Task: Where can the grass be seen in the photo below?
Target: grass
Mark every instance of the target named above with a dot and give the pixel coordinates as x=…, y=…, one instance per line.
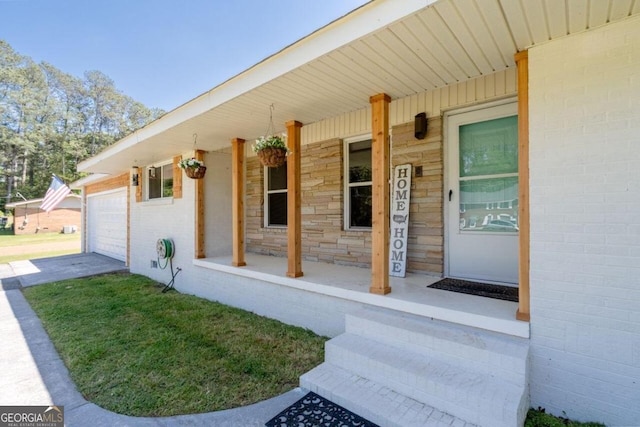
x=8, y=239
x=538, y=418
x=42, y=245
x=134, y=350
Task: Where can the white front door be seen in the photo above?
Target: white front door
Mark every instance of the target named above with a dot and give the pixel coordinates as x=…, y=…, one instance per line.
x=482, y=194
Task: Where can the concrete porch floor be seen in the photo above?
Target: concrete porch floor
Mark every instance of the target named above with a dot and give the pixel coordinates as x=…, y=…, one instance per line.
x=409, y=294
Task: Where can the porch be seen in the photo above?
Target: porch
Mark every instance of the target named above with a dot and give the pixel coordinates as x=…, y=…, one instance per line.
x=351, y=284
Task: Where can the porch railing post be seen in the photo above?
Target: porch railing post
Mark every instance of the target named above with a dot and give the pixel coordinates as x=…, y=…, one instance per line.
x=380, y=193
x=237, y=203
x=294, y=203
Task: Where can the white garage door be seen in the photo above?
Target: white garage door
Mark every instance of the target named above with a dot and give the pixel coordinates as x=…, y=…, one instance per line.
x=107, y=223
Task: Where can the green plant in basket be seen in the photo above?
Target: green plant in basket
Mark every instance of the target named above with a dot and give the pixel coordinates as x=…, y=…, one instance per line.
x=270, y=141
x=271, y=150
x=191, y=163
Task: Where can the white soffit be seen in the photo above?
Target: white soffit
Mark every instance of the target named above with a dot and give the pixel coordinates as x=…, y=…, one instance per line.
x=396, y=47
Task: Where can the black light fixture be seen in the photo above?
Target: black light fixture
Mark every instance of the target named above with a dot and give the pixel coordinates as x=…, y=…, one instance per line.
x=420, y=126
x=135, y=176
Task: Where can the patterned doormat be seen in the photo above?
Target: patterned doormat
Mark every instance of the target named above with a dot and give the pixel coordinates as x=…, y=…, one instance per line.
x=313, y=410
x=507, y=293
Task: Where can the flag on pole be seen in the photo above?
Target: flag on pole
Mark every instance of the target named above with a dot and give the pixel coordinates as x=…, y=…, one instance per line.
x=56, y=193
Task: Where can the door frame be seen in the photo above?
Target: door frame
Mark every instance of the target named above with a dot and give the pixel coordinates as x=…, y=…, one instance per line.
x=445, y=168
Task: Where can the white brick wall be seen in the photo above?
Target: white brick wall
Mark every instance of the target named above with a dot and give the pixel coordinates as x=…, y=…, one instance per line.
x=585, y=224
x=174, y=219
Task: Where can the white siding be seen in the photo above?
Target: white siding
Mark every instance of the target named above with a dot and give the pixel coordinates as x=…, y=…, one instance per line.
x=585, y=224
x=403, y=110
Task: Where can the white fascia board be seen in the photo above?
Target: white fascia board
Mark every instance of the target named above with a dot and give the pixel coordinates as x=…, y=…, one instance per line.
x=365, y=20
x=94, y=177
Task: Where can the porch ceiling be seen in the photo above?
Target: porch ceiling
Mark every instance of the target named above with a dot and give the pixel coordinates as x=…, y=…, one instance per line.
x=399, y=48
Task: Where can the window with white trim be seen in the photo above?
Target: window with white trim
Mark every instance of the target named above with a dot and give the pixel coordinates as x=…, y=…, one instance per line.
x=357, y=182
x=275, y=200
x=160, y=181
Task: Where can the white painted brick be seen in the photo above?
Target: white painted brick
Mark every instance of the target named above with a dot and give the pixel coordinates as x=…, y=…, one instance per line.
x=585, y=279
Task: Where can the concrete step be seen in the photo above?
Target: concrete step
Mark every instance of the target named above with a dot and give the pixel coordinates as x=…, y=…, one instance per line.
x=478, y=397
x=470, y=348
x=373, y=401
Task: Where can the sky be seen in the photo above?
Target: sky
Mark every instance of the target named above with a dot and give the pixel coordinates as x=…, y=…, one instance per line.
x=162, y=53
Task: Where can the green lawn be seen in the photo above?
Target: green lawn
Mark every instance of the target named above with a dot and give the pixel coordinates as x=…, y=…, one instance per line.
x=32, y=246
x=134, y=350
x=7, y=238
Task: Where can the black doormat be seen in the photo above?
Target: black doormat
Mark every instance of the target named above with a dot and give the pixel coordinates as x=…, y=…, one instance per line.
x=313, y=410
x=507, y=293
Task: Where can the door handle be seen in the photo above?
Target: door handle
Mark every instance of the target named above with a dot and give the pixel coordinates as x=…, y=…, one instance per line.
x=450, y=194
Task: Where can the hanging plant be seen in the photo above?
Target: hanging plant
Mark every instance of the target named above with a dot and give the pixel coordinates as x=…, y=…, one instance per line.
x=193, y=168
x=271, y=149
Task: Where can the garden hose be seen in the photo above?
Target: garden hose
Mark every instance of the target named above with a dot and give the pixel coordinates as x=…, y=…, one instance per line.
x=165, y=250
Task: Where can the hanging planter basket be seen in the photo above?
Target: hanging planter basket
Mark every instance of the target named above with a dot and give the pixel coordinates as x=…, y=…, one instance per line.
x=271, y=149
x=193, y=168
x=196, y=173
x=272, y=157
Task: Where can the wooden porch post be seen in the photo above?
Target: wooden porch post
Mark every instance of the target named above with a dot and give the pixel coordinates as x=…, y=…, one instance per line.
x=199, y=212
x=294, y=228
x=380, y=193
x=141, y=175
x=522, y=61
x=177, y=178
x=237, y=195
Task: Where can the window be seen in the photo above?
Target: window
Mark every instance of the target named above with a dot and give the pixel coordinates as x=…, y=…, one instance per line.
x=275, y=209
x=160, y=181
x=357, y=206
x=488, y=152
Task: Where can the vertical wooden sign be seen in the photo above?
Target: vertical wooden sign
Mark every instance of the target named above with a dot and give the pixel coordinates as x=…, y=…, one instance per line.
x=399, y=220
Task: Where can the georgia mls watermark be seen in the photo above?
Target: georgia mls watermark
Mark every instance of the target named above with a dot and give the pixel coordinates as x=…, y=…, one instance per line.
x=31, y=416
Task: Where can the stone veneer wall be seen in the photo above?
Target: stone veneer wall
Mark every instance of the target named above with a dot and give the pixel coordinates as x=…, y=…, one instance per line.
x=426, y=221
x=323, y=235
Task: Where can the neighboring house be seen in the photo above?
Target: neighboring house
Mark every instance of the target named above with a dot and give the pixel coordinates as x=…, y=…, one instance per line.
x=28, y=218
x=527, y=176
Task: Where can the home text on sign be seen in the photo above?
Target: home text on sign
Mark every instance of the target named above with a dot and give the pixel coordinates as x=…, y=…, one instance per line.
x=399, y=220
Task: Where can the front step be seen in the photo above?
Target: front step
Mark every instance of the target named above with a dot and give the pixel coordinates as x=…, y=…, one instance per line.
x=474, y=349
x=374, y=402
x=474, y=375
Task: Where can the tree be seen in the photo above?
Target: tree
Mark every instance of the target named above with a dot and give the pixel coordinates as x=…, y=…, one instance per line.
x=24, y=114
x=50, y=121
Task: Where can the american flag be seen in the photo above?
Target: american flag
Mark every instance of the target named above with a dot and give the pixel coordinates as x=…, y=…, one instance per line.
x=56, y=193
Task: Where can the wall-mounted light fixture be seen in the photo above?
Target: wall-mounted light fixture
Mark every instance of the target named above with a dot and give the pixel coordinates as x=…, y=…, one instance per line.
x=135, y=176
x=420, y=126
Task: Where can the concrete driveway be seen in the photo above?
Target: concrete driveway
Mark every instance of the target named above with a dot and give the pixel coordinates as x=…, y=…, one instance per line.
x=46, y=270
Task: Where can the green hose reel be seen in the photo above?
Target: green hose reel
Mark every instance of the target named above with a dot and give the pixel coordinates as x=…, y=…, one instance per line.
x=165, y=249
